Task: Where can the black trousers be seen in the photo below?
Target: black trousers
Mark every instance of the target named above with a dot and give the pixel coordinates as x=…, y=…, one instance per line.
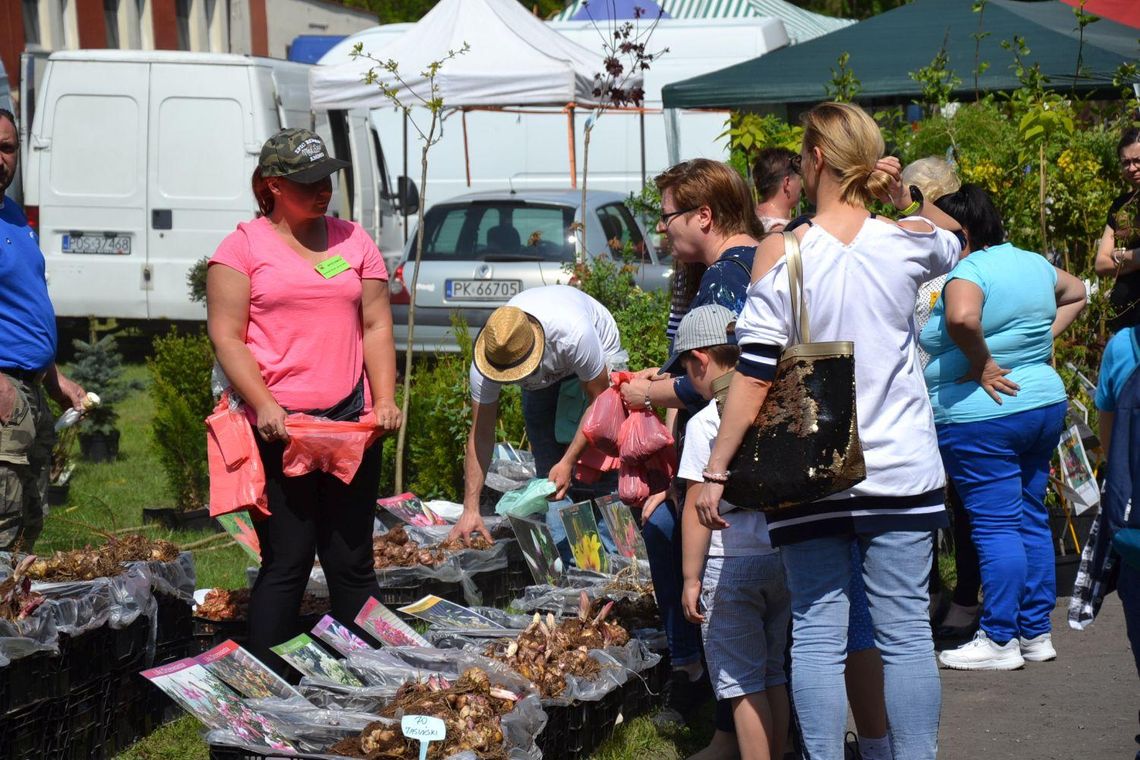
x=314, y=515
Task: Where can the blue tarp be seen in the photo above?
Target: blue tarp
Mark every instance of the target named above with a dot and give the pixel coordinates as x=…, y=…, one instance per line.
x=308, y=48
x=603, y=10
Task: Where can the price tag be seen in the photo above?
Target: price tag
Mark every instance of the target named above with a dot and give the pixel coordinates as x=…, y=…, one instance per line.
x=330, y=268
x=424, y=728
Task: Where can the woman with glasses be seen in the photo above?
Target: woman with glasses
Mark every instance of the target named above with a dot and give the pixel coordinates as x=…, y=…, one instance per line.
x=1117, y=255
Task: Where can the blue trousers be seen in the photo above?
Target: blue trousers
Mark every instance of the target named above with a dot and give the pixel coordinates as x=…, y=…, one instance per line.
x=1128, y=589
x=1001, y=469
x=896, y=572
x=662, y=534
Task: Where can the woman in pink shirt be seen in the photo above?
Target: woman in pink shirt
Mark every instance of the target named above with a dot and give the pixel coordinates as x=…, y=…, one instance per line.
x=297, y=310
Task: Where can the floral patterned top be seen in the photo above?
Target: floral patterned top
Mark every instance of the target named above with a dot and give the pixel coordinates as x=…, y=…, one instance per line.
x=1124, y=221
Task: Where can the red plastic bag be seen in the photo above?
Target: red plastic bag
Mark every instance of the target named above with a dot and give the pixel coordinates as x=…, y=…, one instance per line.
x=237, y=478
x=603, y=421
x=593, y=464
x=660, y=469
x=333, y=447
x=642, y=436
x=633, y=489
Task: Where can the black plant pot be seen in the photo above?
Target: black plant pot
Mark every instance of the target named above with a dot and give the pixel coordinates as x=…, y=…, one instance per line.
x=57, y=494
x=173, y=519
x=99, y=447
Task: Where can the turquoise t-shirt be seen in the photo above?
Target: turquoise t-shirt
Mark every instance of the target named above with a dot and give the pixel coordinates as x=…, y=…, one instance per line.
x=1121, y=357
x=1017, y=318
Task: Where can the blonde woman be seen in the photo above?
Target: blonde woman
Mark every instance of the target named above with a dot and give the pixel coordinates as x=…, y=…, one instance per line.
x=861, y=275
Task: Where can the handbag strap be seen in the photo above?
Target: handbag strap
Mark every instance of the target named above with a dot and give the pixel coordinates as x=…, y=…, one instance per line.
x=796, y=285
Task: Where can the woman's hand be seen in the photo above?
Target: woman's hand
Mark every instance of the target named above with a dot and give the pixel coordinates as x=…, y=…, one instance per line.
x=993, y=379
x=651, y=504
x=897, y=195
x=271, y=422
x=691, y=601
x=388, y=418
x=708, y=505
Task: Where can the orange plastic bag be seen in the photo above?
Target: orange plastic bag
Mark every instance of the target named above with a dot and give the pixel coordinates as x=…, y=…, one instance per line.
x=660, y=469
x=333, y=447
x=237, y=478
x=593, y=464
x=604, y=418
x=642, y=436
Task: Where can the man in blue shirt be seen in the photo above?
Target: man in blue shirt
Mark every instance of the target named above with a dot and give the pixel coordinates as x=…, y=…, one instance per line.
x=27, y=364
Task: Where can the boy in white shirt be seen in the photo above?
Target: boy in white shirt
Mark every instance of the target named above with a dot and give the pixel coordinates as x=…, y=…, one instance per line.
x=742, y=602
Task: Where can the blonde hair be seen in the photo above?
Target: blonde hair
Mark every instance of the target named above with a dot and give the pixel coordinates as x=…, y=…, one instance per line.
x=851, y=143
x=704, y=182
x=934, y=176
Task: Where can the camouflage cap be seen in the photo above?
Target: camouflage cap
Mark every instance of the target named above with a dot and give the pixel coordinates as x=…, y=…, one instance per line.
x=298, y=155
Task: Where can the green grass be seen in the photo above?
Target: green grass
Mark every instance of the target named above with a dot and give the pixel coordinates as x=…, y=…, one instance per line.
x=111, y=496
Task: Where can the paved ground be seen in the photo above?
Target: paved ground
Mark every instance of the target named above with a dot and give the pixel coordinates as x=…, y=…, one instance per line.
x=1082, y=706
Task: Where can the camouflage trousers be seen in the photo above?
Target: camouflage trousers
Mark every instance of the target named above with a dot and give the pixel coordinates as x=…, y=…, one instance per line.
x=26, y=442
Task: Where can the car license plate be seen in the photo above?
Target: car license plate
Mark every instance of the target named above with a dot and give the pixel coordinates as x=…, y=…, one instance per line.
x=482, y=290
x=97, y=242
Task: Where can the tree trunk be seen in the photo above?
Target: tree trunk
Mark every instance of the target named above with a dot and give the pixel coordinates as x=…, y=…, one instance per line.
x=405, y=404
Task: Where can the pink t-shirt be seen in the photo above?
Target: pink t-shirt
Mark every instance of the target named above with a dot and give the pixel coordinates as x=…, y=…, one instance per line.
x=305, y=332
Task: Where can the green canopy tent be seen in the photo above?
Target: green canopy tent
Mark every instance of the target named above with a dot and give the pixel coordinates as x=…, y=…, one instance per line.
x=885, y=48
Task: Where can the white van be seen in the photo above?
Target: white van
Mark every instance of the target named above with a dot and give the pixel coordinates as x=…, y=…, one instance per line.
x=528, y=148
x=139, y=163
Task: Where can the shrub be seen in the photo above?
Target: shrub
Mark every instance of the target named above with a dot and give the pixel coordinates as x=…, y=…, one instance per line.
x=99, y=369
x=180, y=368
x=439, y=421
x=641, y=315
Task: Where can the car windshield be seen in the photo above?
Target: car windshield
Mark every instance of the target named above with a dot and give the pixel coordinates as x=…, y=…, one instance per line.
x=498, y=231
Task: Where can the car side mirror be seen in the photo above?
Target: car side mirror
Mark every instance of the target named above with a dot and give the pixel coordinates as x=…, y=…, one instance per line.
x=408, y=195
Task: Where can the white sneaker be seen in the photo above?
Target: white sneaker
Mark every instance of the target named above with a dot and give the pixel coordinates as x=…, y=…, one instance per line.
x=983, y=653
x=1038, y=649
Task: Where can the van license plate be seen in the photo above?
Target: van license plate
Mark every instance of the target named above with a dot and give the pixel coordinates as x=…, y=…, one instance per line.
x=482, y=290
x=97, y=242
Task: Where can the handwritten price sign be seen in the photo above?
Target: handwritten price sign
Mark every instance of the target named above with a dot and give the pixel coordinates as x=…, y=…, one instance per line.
x=424, y=728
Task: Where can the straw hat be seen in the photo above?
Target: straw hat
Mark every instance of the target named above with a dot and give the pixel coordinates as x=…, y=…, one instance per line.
x=510, y=346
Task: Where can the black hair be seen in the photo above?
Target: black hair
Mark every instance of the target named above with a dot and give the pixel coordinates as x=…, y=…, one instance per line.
x=972, y=208
x=6, y=114
x=769, y=170
x=1131, y=136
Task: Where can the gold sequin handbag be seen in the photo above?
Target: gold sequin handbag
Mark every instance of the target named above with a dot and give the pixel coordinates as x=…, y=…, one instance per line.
x=804, y=443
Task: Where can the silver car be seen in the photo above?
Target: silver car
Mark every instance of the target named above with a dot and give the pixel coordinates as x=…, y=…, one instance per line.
x=482, y=248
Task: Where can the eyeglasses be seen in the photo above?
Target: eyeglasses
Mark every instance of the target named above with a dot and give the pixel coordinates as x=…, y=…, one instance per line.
x=666, y=218
x=1129, y=163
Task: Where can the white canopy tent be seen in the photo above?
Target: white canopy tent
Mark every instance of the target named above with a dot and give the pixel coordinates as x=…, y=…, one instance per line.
x=514, y=59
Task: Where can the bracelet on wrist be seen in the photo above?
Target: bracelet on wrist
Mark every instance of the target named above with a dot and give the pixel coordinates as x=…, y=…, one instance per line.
x=715, y=477
x=912, y=208
x=648, y=403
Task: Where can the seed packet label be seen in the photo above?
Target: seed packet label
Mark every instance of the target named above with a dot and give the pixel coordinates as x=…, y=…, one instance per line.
x=210, y=700
x=245, y=673
x=623, y=527
x=423, y=727
x=445, y=614
x=409, y=508
x=338, y=636
x=538, y=549
x=240, y=527
x=312, y=660
x=388, y=629
x=330, y=268
x=585, y=541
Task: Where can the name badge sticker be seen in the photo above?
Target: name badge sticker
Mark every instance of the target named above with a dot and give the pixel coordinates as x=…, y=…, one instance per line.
x=330, y=268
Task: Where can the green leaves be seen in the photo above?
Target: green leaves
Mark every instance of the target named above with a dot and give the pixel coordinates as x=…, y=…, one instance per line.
x=844, y=86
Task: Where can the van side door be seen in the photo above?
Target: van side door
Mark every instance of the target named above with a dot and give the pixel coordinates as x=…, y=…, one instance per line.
x=89, y=139
x=202, y=152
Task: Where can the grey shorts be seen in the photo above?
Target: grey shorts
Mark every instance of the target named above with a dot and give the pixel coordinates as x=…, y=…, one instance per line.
x=747, y=607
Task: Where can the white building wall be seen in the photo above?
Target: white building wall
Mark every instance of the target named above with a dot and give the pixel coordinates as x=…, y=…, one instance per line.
x=288, y=18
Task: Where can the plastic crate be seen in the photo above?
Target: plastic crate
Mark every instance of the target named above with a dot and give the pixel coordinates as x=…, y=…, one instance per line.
x=82, y=730
x=568, y=733
x=207, y=634
x=84, y=658
x=164, y=654
x=137, y=709
x=175, y=619
x=26, y=734
x=30, y=679
x=397, y=596
x=495, y=588
x=644, y=691
x=603, y=717
x=129, y=645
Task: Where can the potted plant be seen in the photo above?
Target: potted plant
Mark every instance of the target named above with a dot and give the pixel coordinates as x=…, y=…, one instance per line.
x=99, y=367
